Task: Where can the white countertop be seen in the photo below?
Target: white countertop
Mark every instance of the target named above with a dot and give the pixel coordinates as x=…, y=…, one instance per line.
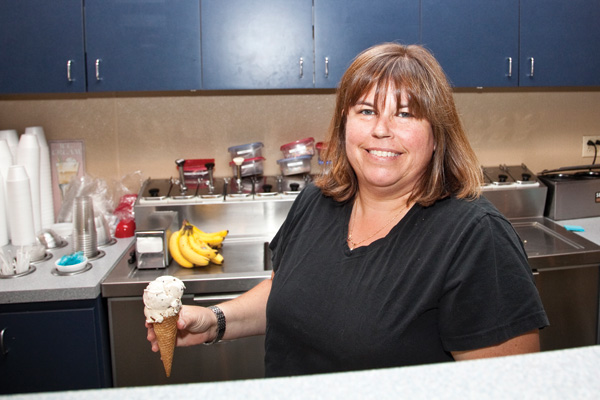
x=591, y=227
x=562, y=374
x=42, y=285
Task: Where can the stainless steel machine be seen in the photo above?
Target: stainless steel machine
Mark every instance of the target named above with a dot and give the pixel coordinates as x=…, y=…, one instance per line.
x=573, y=192
x=565, y=267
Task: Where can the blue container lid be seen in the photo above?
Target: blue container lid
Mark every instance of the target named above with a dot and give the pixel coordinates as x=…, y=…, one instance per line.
x=242, y=146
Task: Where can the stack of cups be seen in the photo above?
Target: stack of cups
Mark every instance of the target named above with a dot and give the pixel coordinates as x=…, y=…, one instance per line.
x=28, y=155
x=12, y=139
x=84, y=228
x=5, y=162
x=45, y=178
x=20, y=217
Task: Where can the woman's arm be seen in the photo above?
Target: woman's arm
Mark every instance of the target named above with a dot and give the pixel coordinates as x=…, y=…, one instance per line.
x=526, y=343
x=244, y=315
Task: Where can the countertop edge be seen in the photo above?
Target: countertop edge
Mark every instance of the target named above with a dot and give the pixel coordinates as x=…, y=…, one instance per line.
x=553, y=374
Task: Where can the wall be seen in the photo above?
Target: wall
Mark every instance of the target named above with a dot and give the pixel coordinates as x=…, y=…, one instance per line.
x=124, y=133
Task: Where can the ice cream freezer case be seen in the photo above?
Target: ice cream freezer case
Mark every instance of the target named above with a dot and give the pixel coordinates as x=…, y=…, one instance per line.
x=134, y=363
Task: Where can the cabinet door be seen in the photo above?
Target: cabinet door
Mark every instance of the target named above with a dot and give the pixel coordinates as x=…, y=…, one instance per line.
x=345, y=28
x=42, y=46
x=263, y=44
x=570, y=298
x=141, y=45
x=46, y=350
x=476, y=42
x=560, y=43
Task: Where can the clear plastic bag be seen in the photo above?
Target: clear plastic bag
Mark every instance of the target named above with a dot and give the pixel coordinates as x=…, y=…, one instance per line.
x=106, y=197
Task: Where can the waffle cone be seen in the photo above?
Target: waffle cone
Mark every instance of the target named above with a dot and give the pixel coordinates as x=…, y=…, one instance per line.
x=166, y=334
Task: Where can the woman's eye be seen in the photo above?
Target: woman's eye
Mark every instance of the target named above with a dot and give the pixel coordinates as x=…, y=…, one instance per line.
x=405, y=114
x=367, y=112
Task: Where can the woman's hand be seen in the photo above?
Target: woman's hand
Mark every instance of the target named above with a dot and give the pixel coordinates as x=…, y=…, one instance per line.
x=196, y=325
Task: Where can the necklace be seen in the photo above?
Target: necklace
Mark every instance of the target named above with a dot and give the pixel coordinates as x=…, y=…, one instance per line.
x=352, y=244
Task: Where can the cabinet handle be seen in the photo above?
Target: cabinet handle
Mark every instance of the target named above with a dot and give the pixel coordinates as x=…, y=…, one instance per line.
x=531, y=65
x=98, y=77
x=509, y=67
x=301, y=67
x=326, y=67
x=69, y=77
x=3, y=350
x=214, y=299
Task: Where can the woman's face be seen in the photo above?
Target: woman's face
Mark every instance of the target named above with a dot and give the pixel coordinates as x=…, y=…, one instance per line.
x=388, y=148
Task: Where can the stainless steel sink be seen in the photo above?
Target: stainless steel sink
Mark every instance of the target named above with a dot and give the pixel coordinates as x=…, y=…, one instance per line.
x=549, y=245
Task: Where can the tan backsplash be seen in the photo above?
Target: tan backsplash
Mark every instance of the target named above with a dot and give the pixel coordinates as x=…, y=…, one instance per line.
x=148, y=132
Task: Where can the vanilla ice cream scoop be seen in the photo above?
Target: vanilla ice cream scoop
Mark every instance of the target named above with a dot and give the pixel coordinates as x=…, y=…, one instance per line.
x=162, y=298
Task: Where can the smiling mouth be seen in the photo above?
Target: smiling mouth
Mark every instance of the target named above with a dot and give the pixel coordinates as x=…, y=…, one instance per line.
x=379, y=153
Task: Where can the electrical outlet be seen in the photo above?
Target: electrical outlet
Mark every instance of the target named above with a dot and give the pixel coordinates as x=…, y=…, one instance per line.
x=588, y=151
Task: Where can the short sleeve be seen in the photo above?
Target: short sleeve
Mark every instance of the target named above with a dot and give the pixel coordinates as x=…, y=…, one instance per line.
x=489, y=294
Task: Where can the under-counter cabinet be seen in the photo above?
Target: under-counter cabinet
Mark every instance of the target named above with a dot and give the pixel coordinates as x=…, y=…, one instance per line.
x=345, y=28
x=142, y=45
x=263, y=44
x=54, y=346
x=42, y=48
x=476, y=42
x=559, y=43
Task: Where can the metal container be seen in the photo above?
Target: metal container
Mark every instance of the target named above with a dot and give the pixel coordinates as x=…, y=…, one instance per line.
x=573, y=192
x=515, y=191
x=152, y=239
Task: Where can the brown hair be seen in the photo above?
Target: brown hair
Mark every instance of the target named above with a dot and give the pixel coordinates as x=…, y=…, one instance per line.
x=453, y=170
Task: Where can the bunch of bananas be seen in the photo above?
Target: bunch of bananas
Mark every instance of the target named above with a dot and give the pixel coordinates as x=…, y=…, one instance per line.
x=192, y=247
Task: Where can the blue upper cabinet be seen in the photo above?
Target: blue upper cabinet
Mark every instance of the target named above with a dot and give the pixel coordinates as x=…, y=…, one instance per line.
x=263, y=44
x=345, y=28
x=560, y=43
x=41, y=46
x=143, y=45
x=476, y=42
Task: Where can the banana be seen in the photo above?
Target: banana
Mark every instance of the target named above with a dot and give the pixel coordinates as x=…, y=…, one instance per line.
x=210, y=241
x=188, y=252
x=204, y=249
x=195, y=247
x=217, y=259
x=222, y=233
x=174, y=250
x=213, y=239
x=201, y=247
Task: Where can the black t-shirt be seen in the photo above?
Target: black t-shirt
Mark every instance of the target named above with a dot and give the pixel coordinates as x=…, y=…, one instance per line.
x=450, y=277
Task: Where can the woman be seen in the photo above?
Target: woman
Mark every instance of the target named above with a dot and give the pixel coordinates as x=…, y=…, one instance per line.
x=392, y=258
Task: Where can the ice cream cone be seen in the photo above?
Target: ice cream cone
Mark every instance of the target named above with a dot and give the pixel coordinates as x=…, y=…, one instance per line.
x=166, y=333
x=162, y=302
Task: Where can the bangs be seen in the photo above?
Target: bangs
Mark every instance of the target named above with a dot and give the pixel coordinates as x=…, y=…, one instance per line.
x=400, y=74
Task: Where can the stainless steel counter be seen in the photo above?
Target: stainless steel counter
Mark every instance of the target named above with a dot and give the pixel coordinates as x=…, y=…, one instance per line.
x=247, y=263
